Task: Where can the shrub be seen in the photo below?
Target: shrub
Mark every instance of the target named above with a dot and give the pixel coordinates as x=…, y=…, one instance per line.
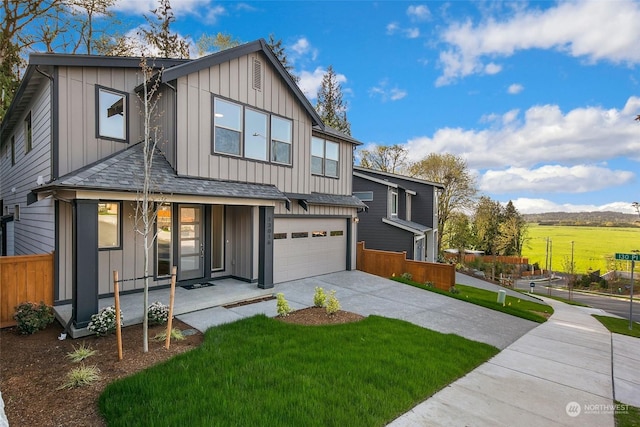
x=282, y=305
x=429, y=284
x=333, y=305
x=83, y=375
x=80, y=353
x=407, y=276
x=158, y=313
x=319, y=298
x=454, y=290
x=176, y=334
x=33, y=317
x=104, y=322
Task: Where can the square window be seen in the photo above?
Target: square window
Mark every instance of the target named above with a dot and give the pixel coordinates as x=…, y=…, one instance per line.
x=227, y=119
x=112, y=114
x=109, y=225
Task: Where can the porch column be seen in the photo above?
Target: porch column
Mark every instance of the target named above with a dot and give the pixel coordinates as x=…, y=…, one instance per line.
x=265, y=247
x=85, y=261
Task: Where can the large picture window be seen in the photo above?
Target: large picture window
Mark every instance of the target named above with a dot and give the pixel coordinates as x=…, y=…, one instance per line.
x=228, y=127
x=325, y=157
x=255, y=135
x=163, y=240
x=281, y=131
x=112, y=114
x=109, y=225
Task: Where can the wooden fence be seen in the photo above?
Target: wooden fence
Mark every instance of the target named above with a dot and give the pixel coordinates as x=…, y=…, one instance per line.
x=24, y=278
x=389, y=264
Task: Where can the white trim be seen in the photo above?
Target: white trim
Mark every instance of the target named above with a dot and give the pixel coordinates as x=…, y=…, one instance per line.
x=404, y=227
x=379, y=181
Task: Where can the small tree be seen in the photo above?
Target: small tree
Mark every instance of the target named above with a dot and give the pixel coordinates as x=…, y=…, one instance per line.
x=159, y=35
x=385, y=158
x=147, y=200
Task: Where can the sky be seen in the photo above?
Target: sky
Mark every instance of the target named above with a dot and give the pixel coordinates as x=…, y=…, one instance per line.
x=539, y=98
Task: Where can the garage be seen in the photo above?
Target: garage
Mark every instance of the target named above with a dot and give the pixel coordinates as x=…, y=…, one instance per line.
x=305, y=247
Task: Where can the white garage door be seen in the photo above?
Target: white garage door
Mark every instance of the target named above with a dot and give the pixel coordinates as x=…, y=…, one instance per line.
x=305, y=247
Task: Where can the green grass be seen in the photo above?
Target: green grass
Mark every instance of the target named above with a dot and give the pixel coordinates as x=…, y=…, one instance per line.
x=619, y=326
x=627, y=418
x=263, y=372
x=594, y=247
x=514, y=306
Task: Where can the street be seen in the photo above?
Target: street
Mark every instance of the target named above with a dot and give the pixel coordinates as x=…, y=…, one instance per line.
x=617, y=306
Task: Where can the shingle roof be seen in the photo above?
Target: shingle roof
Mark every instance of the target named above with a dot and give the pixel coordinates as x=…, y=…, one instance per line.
x=123, y=172
x=328, y=200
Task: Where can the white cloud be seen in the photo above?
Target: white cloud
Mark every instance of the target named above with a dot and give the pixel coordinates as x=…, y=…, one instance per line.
x=553, y=179
x=531, y=206
x=542, y=134
x=385, y=93
x=594, y=30
x=204, y=8
x=392, y=28
x=419, y=12
x=310, y=82
x=515, y=89
x=410, y=33
x=492, y=68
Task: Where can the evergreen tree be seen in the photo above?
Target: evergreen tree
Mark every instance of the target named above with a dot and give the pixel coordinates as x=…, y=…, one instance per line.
x=330, y=106
x=279, y=51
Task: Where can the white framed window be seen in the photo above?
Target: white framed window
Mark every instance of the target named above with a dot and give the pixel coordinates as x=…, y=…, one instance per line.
x=281, y=137
x=255, y=135
x=325, y=157
x=393, y=203
x=111, y=114
x=227, y=123
x=109, y=224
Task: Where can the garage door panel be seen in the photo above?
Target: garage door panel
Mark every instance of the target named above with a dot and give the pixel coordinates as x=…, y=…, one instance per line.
x=295, y=258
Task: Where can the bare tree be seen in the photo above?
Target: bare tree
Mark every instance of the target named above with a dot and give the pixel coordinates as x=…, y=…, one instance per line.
x=148, y=200
x=87, y=14
x=385, y=158
x=459, y=185
x=160, y=36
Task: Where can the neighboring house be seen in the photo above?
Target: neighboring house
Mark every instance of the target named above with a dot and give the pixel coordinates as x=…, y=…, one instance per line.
x=252, y=184
x=402, y=213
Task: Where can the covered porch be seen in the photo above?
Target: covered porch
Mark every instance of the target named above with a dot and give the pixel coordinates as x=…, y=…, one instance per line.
x=215, y=293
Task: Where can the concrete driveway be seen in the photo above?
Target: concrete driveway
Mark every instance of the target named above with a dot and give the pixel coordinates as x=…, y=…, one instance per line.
x=367, y=294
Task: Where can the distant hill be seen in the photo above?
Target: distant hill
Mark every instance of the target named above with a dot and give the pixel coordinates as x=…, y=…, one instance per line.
x=592, y=219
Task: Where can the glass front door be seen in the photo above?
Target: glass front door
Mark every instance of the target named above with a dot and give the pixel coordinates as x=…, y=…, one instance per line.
x=191, y=242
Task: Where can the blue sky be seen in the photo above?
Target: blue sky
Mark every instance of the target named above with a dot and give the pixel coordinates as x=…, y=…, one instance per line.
x=539, y=98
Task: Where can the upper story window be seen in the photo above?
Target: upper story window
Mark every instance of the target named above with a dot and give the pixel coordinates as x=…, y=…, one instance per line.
x=255, y=136
x=28, y=141
x=228, y=127
x=245, y=132
x=365, y=196
x=393, y=203
x=325, y=156
x=112, y=114
x=281, y=138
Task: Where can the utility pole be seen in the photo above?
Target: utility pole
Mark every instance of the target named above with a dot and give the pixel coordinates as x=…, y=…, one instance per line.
x=572, y=276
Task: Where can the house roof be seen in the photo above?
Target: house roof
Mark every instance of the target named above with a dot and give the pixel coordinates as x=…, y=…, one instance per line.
x=331, y=132
x=411, y=226
x=122, y=172
x=327, y=200
x=371, y=173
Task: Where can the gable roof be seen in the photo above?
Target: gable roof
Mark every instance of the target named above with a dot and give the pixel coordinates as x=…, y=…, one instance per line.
x=236, y=52
x=121, y=172
x=381, y=177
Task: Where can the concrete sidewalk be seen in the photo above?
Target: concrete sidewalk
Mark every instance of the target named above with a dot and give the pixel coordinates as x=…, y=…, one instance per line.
x=558, y=374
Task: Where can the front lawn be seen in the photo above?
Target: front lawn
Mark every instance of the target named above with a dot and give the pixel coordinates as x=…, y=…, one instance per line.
x=263, y=372
x=514, y=306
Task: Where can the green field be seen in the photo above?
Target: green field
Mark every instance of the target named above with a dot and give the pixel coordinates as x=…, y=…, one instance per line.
x=594, y=247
